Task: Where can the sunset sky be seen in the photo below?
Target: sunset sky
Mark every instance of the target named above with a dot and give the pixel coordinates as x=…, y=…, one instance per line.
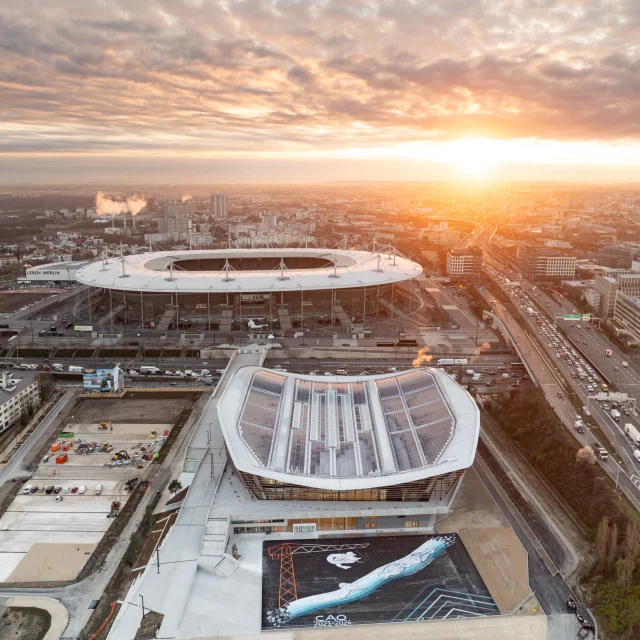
x=319, y=90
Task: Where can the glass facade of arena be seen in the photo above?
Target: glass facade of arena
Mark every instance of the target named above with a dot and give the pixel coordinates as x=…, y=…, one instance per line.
x=434, y=488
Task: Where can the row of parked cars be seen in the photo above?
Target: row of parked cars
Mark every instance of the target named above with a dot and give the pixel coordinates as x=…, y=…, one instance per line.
x=51, y=489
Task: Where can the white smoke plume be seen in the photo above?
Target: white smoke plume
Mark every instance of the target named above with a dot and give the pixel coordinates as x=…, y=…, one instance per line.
x=424, y=357
x=107, y=205
x=186, y=197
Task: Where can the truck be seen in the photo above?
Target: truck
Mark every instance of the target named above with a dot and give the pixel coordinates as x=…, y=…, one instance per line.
x=56, y=366
x=625, y=363
x=632, y=433
x=442, y=362
x=147, y=369
x=579, y=425
x=460, y=361
x=615, y=414
x=74, y=369
x=607, y=352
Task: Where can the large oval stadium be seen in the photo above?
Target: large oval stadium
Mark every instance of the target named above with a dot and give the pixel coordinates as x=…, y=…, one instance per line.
x=241, y=285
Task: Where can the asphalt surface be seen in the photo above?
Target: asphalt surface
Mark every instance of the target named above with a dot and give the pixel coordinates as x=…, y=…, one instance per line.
x=13, y=468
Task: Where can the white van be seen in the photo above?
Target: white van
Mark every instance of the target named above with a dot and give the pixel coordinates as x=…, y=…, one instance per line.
x=98, y=489
x=636, y=455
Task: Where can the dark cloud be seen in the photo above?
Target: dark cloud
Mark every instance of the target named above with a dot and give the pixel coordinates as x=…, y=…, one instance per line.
x=186, y=75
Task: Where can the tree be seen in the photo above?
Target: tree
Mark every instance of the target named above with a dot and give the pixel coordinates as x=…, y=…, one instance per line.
x=175, y=486
x=586, y=455
x=46, y=386
x=602, y=543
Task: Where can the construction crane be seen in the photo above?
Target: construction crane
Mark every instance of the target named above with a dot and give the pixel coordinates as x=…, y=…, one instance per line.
x=288, y=591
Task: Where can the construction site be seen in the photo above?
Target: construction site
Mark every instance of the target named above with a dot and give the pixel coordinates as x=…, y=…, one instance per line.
x=81, y=484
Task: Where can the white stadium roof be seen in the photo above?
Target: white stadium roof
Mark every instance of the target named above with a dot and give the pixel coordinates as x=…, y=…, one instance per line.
x=348, y=432
x=150, y=272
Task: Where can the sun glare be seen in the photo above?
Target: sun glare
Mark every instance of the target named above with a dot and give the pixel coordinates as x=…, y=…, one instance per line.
x=474, y=158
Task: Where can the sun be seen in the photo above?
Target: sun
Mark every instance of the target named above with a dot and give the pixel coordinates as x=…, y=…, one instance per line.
x=474, y=158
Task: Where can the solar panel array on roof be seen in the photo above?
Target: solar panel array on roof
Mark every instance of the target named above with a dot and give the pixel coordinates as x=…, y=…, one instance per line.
x=417, y=417
x=330, y=430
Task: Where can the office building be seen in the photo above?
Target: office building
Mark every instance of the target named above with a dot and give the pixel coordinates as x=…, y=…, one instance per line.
x=612, y=281
x=219, y=205
x=619, y=256
x=465, y=263
x=627, y=315
x=18, y=394
x=177, y=217
x=540, y=264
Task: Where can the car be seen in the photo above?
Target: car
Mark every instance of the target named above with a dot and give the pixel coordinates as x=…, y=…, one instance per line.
x=616, y=369
x=34, y=489
x=74, y=490
x=560, y=394
x=26, y=489
x=59, y=498
x=173, y=384
x=606, y=406
x=66, y=489
x=57, y=490
x=49, y=489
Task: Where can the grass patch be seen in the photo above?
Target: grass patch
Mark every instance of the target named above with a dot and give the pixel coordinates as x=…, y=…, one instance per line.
x=83, y=353
x=33, y=353
x=64, y=353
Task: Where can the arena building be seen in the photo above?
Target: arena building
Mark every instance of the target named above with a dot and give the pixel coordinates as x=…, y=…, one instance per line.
x=361, y=445
x=215, y=288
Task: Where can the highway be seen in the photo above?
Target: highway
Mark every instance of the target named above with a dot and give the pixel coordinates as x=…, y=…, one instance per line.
x=554, y=376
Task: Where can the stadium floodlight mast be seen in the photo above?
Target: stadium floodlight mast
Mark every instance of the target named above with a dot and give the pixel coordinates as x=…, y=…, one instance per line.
x=124, y=274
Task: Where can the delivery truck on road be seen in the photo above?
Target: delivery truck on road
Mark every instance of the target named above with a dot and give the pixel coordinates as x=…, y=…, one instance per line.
x=73, y=369
x=632, y=433
x=146, y=369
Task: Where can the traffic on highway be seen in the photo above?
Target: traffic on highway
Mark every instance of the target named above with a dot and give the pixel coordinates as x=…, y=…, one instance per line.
x=599, y=401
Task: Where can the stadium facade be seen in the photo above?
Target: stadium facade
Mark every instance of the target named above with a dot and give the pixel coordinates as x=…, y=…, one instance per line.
x=206, y=287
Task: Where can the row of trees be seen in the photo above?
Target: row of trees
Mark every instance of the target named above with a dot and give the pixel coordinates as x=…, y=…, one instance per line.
x=617, y=553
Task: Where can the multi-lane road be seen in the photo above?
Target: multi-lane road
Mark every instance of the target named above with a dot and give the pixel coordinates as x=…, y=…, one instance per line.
x=527, y=330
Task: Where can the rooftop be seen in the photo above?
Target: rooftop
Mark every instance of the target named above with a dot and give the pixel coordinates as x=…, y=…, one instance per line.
x=23, y=380
x=167, y=271
x=348, y=432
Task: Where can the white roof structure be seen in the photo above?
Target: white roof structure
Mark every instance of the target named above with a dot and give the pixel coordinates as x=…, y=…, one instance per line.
x=167, y=271
x=348, y=432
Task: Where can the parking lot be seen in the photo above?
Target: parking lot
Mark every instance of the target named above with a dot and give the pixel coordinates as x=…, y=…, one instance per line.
x=50, y=536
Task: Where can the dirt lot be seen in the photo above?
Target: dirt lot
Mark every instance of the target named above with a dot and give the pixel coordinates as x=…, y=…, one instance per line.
x=12, y=301
x=24, y=623
x=143, y=408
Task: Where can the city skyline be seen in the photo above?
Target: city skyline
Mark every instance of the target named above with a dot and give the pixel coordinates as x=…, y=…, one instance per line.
x=317, y=91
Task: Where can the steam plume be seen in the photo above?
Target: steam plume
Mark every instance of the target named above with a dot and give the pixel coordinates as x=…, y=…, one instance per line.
x=423, y=357
x=186, y=197
x=106, y=205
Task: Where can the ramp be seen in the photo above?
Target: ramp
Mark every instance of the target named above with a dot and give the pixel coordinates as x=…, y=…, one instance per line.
x=343, y=317
x=225, y=321
x=167, y=318
x=283, y=316
x=112, y=315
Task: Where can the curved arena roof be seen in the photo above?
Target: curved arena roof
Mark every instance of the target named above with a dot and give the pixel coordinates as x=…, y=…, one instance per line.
x=331, y=269
x=348, y=432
